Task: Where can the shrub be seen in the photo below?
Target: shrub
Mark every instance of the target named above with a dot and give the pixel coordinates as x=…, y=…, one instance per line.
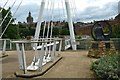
x=107, y=67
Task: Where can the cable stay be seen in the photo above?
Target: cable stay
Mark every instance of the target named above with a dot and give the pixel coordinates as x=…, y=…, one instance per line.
x=49, y=26
x=4, y=6
x=75, y=10
x=11, y=19
x=7, y=13
x=47, y=56
x=64, y=12
x=44, y=50
x=45, y=23
x=72, y=9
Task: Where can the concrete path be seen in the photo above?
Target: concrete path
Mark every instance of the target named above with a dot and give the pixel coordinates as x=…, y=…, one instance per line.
x=75, y=64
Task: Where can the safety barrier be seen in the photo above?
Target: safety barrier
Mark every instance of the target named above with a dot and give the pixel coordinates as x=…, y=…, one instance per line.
x=3, y=44
x=44, y=54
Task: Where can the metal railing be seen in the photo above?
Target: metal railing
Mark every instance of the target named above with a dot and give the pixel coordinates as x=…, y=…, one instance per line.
x=5, y=45
x=43, y=54
x=85, y=44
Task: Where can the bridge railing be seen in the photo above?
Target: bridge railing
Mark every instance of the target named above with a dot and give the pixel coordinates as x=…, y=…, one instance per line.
x=85, y=44
x=43, y=54
x=82, y=44
x=5, y=44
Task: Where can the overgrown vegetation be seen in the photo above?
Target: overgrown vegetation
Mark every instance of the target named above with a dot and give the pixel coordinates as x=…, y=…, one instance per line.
x=107, y=67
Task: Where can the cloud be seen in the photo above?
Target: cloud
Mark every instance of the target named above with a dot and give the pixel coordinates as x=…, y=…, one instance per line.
x=119, y=7
x=23, y=11
x=93, y=12
x=96, y=13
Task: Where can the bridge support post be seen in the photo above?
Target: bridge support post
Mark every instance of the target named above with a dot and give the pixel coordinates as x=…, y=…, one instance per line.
x=70, y=23
x=4, y=47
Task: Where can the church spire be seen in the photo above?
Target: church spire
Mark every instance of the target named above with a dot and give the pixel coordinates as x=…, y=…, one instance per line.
x=29, y=14
x=29, y=18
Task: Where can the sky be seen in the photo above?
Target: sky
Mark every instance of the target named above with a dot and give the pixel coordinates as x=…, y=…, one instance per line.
x=81, y=10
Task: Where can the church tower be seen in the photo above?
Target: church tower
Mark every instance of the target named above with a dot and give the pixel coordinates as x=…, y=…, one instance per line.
x=29, y=19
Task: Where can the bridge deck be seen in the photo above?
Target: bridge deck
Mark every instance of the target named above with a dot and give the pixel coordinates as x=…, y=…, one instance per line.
x=75, y=64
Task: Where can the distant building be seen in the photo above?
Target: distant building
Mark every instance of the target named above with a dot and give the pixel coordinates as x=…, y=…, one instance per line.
x=29, y=18
x=29, y=22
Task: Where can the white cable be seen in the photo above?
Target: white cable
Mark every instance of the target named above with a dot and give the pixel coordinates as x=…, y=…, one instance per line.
x=76, y=10
x=11, y=19
x=72, y=9
x=49, y=24
x=4, y=6
x=49, y=20
x=8, y=13
x=48, y=29
x=44, y=29
x=59, y=11
x=46, y=49
x=45, y=21
x=63, y=9
x=52, y=22
x=64, y=12
x=52, y=9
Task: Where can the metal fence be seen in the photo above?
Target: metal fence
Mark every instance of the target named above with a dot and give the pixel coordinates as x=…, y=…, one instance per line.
x=82, y=44
x=85, y=44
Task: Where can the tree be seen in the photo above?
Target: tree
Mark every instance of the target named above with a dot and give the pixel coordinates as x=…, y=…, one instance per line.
x=24, y=32
x=56, y=31
x=12, y=31
x=7, y=19
x=116, y=31
x=65, y=29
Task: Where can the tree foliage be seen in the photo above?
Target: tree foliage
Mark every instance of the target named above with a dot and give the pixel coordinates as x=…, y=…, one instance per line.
x=116, y=31
x=12, y=31
x=7, y=19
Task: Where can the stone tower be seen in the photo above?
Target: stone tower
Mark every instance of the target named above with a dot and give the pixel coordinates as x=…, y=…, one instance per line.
x=29, y=19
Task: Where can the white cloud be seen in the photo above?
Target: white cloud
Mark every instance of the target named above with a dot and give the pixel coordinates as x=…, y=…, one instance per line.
x=119, y=7
x=85, y=9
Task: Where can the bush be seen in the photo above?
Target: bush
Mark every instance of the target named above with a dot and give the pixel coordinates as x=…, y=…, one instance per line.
x=107, y=67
